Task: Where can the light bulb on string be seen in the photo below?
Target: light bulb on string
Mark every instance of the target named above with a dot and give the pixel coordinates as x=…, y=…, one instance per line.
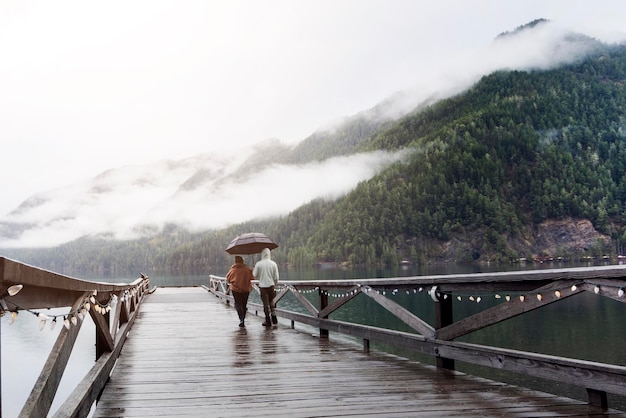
x=43, y=319
x=596, y=290
x=498, y=296
x=74, y=320
x=507, y=298
x=574, y=288
x=539, y=296
x=478, y=299
x=620, y=292
x=66, y=322
x=557, y=293
x=459, y=298
x=53, y=323
x=13, y=317
x=15, y=289
x=521, y=298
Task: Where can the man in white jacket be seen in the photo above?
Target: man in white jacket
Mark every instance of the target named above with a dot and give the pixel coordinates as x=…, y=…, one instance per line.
x=266, y=272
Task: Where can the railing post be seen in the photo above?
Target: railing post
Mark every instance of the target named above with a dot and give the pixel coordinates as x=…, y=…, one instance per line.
x=598, y=398
x=443, y=317
x=102, y=346
x=323, y=304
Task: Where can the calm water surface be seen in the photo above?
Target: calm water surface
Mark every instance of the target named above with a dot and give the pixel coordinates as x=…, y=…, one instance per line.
x=584, y=326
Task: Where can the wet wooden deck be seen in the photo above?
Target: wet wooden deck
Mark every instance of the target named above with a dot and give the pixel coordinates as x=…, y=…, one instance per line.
x=186, y=356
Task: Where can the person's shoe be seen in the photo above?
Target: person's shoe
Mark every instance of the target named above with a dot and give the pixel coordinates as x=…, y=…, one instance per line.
x=274, y=320
x=241, y=324
x=266, y=324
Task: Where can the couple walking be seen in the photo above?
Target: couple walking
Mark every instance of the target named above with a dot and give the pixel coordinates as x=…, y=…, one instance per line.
x=239, y=279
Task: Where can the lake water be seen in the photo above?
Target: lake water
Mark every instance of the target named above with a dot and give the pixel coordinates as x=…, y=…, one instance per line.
x=584, y=326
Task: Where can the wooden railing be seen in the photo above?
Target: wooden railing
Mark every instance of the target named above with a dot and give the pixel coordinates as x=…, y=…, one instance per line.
x=112, y=307
x=532, y=289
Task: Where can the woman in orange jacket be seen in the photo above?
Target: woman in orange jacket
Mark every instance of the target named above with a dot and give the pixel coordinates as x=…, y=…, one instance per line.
x=239, y=279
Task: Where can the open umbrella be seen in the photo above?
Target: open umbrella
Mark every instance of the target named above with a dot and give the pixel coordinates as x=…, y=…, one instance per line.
x=250, y=243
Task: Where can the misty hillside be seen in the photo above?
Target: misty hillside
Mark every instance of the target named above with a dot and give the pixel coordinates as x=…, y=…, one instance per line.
x=201, y=193
x=490, y=174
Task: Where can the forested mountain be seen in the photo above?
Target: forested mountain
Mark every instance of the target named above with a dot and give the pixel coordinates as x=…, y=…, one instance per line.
x=488, y=169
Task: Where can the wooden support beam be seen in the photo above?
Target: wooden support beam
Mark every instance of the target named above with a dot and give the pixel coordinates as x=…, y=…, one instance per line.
x=305, y=302
x=606, y=288
x=104, y=340
x=41, y=397
x=509, y=309
x=281, y=294
x=403, y=314
x=337, y=303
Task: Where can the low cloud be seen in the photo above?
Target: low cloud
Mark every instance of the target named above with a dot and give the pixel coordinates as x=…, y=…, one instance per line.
x=204, y=192
x=121, y=202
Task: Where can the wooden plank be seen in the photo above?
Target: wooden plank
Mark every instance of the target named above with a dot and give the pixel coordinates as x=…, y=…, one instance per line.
x=597, y=376
x=186, y=357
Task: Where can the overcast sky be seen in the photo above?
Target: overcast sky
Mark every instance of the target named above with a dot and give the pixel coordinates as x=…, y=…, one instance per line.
x=86, y=86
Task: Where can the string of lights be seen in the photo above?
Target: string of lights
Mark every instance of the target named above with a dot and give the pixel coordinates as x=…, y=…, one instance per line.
x=436, y=294
x=73, y=316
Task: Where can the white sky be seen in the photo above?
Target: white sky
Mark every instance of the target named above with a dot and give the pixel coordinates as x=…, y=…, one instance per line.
x=86, y=86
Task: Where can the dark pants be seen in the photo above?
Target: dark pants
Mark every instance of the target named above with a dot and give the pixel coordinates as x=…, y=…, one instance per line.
x=267, y=297
x=241, y=300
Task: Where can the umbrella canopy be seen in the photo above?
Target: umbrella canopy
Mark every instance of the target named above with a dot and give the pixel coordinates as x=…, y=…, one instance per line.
x=250, y=243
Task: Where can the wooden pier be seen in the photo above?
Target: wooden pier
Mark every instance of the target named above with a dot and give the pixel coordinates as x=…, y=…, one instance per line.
x=180, y=352
x=186, y=356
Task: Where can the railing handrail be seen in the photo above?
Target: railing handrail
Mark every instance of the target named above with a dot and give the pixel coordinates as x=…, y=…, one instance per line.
x=113, y=308
x=59, y=290
x=506, y=277
x=536, y=288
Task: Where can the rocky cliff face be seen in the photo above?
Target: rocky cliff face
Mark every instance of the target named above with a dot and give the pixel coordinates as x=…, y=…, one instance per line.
x=554, y=238
x=567, y=238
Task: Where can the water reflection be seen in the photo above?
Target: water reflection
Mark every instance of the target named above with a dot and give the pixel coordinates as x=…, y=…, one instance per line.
x=269, y=346
x=242, y=357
